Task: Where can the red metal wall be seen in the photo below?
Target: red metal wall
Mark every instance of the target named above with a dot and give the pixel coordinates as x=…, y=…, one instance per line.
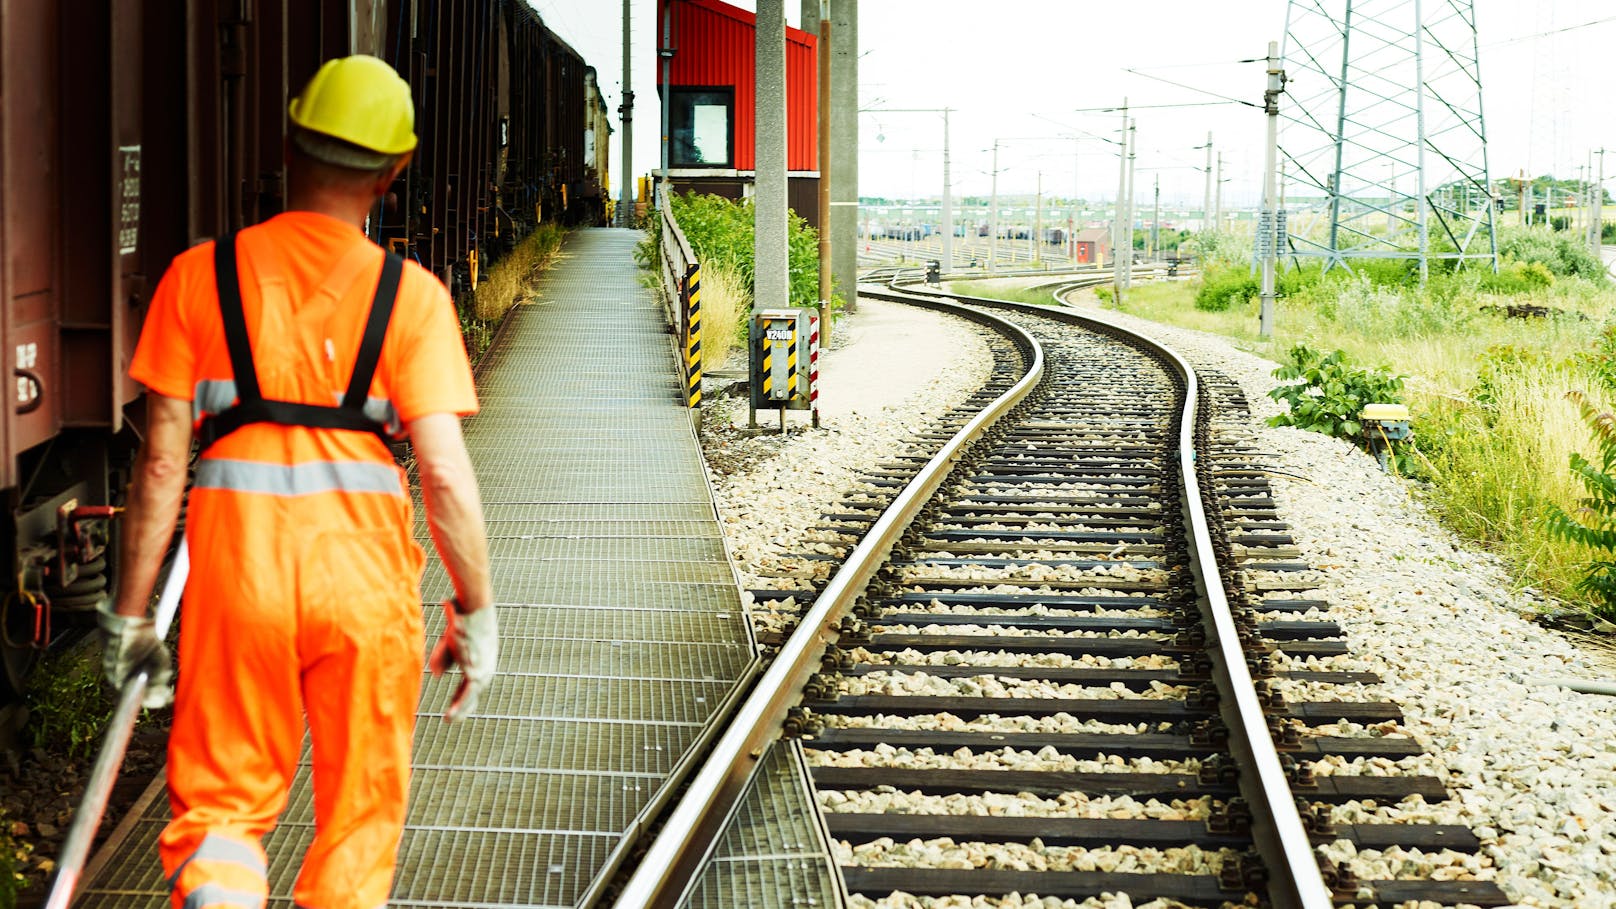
x=714, y=47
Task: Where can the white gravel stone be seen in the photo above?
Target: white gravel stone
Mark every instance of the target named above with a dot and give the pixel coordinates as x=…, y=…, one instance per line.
x=991, y=686
x=1035, y=856
x=1044, y=760
x=887, y=800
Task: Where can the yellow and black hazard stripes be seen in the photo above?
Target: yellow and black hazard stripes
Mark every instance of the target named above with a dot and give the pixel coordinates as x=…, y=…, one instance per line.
x=693, y=336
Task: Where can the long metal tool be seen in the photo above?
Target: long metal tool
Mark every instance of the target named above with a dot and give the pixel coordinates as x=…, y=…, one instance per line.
x=76, y=849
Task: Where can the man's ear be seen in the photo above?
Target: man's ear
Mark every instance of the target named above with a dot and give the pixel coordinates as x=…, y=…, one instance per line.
x=385, y=182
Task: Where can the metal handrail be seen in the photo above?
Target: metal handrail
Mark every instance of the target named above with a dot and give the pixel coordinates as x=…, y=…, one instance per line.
x=758, y=722
x=76, y=848
x=675, y=259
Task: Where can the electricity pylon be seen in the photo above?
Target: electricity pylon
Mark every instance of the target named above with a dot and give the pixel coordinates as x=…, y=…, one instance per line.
x=1386, y=141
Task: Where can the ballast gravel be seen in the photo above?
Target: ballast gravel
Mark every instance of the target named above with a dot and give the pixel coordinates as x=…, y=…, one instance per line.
x=1532, y=766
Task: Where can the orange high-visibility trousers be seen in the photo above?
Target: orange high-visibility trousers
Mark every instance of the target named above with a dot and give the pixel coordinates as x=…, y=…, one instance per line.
x=331, y=632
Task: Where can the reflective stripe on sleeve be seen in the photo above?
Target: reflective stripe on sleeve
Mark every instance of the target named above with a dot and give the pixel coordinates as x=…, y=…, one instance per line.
x=216, y=895
x=214, y=396
x=303, y=479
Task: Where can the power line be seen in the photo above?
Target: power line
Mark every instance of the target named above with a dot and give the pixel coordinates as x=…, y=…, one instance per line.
x=1193, y=88
x=1557, y=31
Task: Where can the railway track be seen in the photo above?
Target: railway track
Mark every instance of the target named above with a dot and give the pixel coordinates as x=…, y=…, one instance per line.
x=1045, y=669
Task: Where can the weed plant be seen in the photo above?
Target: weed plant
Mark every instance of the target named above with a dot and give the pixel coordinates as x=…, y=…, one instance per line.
x=69, y=705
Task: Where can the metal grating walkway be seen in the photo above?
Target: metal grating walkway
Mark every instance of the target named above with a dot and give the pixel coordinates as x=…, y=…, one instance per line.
x=620, y=619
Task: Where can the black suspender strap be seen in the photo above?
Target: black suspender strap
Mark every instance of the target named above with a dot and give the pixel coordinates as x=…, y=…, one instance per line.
x=370, y=346
x=235, y=320
x=251, y=406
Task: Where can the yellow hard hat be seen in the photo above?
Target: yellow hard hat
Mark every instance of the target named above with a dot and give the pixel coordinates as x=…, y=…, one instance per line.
x=360, y=100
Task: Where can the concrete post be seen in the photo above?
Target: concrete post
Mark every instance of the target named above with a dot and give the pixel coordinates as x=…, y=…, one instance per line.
x=1206, y=208
x=948, y=202
x=993, y=213
x=844, y=129
x=1127, y=222
x=1117, y=248
x=1269, y=245
x=772, y=285
x=826, y=281
x=625, y=212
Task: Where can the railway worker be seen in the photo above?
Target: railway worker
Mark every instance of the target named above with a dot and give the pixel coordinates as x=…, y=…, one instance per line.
x=303, y=597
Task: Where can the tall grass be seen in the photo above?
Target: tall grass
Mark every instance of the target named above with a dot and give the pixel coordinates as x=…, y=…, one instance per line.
x=506, y=284
x=724, y=306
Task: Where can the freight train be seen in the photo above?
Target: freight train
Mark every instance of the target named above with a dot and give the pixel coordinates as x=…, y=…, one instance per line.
x=133, y=129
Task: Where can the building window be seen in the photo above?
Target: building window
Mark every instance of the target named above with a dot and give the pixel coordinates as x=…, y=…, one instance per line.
x=699, y=121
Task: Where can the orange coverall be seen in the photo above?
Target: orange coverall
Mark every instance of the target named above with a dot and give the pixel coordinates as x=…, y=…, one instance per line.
x=303, y=598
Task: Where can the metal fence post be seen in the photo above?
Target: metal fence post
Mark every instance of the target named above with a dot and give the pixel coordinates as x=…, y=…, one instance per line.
x=693, y=334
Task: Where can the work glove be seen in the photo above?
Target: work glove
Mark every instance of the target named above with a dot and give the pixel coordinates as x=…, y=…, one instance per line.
x=132, y=645
x=470, y=641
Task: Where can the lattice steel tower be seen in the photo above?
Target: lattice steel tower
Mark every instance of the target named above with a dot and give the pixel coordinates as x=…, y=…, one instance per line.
x=1385, y=145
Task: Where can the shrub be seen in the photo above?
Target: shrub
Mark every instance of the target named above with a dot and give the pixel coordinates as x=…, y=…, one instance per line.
x=1517, y=278
x=1607, y=232
x=720, y=232
x=1563, y=255
x=1331, y=392
x=1226, y=287
x=1594, y=523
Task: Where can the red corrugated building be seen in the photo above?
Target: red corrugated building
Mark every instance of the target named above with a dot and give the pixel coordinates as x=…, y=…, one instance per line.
x=712, y=92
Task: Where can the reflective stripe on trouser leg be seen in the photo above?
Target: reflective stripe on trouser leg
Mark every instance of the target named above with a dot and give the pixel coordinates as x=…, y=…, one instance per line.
x=363, y=649
x=222, y=871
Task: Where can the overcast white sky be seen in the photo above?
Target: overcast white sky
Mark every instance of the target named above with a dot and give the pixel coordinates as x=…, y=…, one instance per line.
x=1026, y=68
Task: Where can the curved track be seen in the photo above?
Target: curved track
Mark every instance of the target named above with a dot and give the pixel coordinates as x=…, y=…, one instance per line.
x=1032, y=656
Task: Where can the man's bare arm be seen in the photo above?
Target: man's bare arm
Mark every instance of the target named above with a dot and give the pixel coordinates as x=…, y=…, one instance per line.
x=454, y=509
x=156, y=492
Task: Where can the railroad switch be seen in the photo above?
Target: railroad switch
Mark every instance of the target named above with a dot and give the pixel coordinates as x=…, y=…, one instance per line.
x=1384, y=425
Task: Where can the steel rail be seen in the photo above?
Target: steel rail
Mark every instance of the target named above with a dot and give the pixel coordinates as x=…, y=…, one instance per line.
x=689, y=830
x=87, y=819
x=1295, y=879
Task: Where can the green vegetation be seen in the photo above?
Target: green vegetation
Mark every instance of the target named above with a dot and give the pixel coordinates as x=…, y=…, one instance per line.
x=1594, y=523
x=11, y=858
x=69, y=704
x=505, y=285
x=720, y=234
x=1495, y=432
x=1330, y=392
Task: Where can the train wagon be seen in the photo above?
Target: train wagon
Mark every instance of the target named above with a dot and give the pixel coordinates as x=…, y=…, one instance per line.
x=133, y=129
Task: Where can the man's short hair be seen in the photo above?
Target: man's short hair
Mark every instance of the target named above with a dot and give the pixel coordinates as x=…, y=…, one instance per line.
x=337, y=153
